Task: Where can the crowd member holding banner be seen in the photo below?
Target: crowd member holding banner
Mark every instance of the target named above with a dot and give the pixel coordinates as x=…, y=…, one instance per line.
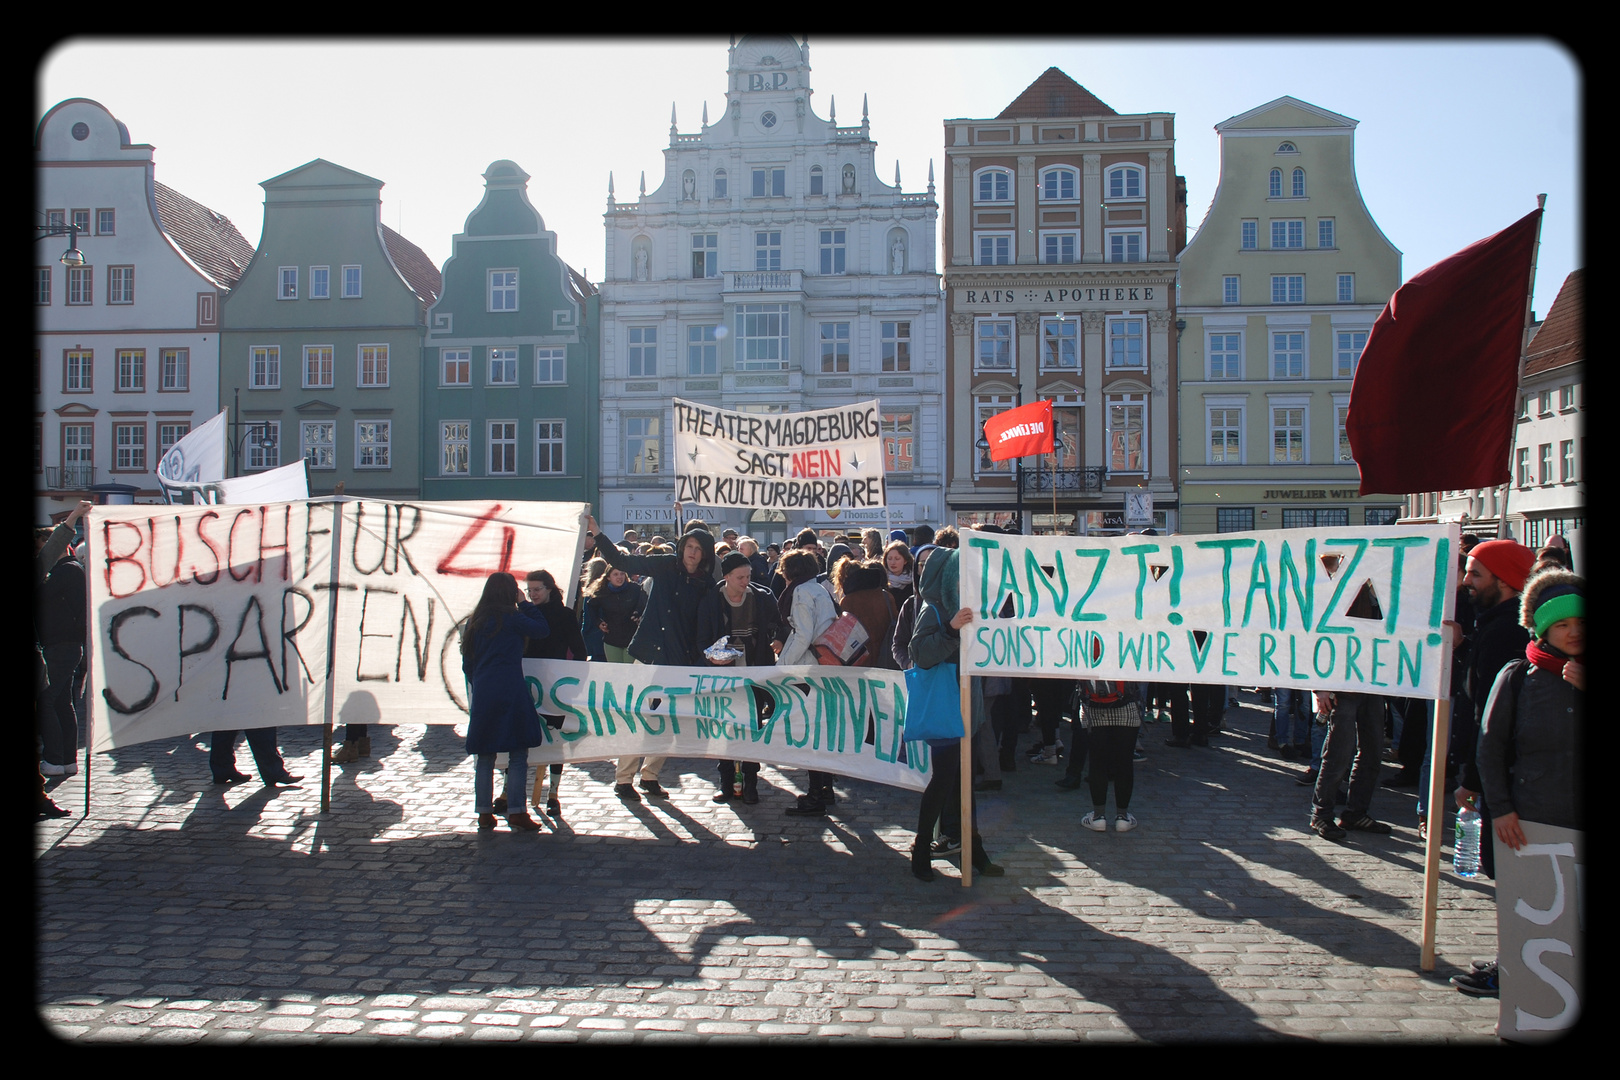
x=667, y=632
x=748, y=617
x=615, y=603
x=587, y=620
x=563, y=642
x=1533, y=727
x=501, y=713
x=907, y=619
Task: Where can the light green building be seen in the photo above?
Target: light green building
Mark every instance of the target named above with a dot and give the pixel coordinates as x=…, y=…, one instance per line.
x=321, y=340
x=1277, y=293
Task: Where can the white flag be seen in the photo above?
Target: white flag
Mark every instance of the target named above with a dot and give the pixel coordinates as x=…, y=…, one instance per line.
x=196, y=460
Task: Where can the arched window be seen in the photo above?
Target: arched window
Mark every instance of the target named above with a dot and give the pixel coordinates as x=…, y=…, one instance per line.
x=1059, y=184
x=1299, y=183
x=815, y=180
x=1274, y=190
x=993, y=185
x=1125, y=182
x=1287, y=148
x=719, y=183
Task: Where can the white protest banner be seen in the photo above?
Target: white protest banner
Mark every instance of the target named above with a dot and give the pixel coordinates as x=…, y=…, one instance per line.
x=1320, y=609
x=846, y=721
x=195, y=461
x=828, y=459
x=209, y=618
x=1540, y=932
x=290, y=483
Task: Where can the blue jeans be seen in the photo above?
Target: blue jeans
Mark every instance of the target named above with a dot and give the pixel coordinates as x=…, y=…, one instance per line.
x=517, y=782
x=1292, y=711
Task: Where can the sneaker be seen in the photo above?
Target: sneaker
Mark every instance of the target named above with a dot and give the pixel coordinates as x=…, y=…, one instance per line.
x=1124, y=823
x=1325, y=828
x=1138, y=755
x=1037, y=752
x=1482, y=982
x=946, y=845
x=627, y=792
x=1306, y=778
x=1049, y=755
x=554, y=808
x=1363, y=823
x=1095, y=822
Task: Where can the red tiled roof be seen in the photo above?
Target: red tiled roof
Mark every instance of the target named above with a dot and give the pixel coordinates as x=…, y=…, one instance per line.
x=1561, y=338
x=581, y=287
x=418, y=270
x=207, y=238
x=1055, y=94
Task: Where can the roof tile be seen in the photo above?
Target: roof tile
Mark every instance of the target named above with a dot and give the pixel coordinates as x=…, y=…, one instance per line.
x=418, y=270
x=1055, y=94
x=207, y=238
x=1561, y=338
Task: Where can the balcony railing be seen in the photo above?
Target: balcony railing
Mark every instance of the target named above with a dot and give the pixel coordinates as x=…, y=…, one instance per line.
x=764, y=281
x=69, y=477
x=1086, y=480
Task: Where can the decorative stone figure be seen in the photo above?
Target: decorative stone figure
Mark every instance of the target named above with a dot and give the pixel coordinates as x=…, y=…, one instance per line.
x=897, y=256
x=641, y=264
x=849, y=179
x=689, y=186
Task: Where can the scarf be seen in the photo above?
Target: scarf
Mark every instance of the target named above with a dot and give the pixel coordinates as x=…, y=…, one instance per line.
x=1545, y=657
x=784, y=603
x=899, y=581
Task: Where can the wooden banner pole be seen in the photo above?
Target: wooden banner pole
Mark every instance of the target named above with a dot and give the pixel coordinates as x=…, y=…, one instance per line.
x=1440, y=745
x=331, y=649
x=967, y=768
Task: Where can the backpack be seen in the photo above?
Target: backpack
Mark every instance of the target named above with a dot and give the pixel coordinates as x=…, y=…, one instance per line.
x=844, y=643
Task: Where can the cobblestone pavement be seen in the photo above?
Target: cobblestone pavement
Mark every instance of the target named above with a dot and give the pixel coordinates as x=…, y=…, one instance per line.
x=179, y=911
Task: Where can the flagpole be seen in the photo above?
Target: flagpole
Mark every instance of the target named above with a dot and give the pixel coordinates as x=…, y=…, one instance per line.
x=1524, y=346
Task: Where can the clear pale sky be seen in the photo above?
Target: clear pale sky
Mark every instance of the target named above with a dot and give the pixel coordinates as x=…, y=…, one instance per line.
x=1456, y=138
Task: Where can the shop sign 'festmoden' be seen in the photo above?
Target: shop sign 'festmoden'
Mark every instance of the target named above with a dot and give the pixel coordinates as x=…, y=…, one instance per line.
x=1321, y=609
x=830, y=459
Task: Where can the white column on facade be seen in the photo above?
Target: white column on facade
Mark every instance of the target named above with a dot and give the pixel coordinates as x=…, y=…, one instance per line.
x=1029, y=352
x=1161, y=400
x=1027, y=211
x=1158, y=204
x=1091, y=354
x=1091, y=237
x=961, y=376
x=961, y=253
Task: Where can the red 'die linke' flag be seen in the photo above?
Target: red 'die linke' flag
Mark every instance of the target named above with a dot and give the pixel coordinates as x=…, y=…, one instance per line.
x=1021, y=431
x=1432, y=404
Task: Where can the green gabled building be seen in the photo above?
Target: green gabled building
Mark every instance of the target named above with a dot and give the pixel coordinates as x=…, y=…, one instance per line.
x=509, y=369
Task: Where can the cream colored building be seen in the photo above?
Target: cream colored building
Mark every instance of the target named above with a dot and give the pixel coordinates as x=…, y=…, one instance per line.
x=1278, y=291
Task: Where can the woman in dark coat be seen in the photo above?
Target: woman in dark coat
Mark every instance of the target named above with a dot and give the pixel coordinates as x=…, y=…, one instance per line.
x=616, y=603
x=747, y=616
x=501, y=713
x=565, y=642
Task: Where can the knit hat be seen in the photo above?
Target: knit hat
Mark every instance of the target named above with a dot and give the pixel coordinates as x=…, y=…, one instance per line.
x=899, y=534
x=1552, y=596
x=732, y=561
x=1508, y=560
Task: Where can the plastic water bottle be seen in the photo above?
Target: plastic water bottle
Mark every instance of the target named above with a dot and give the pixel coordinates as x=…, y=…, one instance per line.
x=1465, y=854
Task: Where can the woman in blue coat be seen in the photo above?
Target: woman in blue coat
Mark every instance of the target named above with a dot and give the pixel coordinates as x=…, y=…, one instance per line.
x=502, y=713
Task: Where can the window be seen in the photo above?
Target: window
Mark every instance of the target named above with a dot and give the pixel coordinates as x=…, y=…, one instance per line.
x=78, y=453
x=105, y=220
x=264, y=367
x=1341, y=433
x=896, y=346
x=1381, y=515
x=81, y=218
x=317, y=442
x=1315, y=519
x=995, y=345
x=120, y=284
x=1544, y=403
x=1288, y=354
x=1274, y=184
x=769, y=182
x=1058, y=185
x=834, y=347
x=42, y=285
x=503, y=367
x=371, y=443
x=762, y=337
x=815, y=180
x=1226, y=436
x=768, y=250
x=1524, y=407
x=1251, y=235
x=994, y=185
x=1288, y=233
x=503, y=290
x=1125, y=182
x=705, y=255
x=550, y=365
x=643, y=444
x=455, y=447
x=1287, y=148
x=1125, y=342
x=1060, y=345
x=373, y=366
x=986, y=407
x=1287, y=435
x=289, y=283
x=351, y=282
x=1566, y=397
x=1226, y=356
x=1234, y=519
x=548, y=447
x=832, y=251
x=1125, y=246
x=1299, y=184
x=1324, y=233
x=318, y=366
x=264, y=444
x=1127, y=433
x=80, y=284
x=1288, y=288
x=1546, y=463
x=995, y=249
x=38, y=372
x=1347, y=288
x=702, y=350
x=643, y=351
x=455, y=367
x=176, y=369
x=131, y=370
x=1522, y=466
x=1229, y=289
x=1059, y=247
x=129, y=447
x=1348, y=353
x=719, y=183
x=78, y=371
x=320, y=283
x=57, y=219
x=169, y=434
x=1566, y=456
x=899, y=446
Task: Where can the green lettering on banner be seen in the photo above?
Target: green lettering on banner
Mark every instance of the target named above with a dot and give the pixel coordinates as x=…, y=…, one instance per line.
x=1411, y=663
x=1345, y=574
x=641, y=712
x=1442, y=570
x=899, y=690
x=1226, y=653
x=610, y=705
x=1397, y=559
x=1226, y=547
x=1038, y=580
x=562, y=706
x=1176, y=568
x=674, y=694
x=1352, y=649
x=878, y=718
x=1286, y=570
x=596, y=717
x=1163, y=650
x=702, y=728
x=761, y=731
x=984, y=547
x=827, y=724
x=1259, y=578
x=857, y=720
x=1316, y=657
x=1101, y=555
x=1377, y=663
x=1008, y=584
x=1130, y=650
x=1293, y=661
x=789, y=703
x=1141, y=551
x=1268, y=645
x=1200, y=654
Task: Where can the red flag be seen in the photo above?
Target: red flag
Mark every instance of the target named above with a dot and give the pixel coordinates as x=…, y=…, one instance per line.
x=1021, y=431
x=1432, y=404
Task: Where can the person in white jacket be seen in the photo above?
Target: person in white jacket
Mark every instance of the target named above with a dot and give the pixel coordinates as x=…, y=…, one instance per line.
x=809, y=611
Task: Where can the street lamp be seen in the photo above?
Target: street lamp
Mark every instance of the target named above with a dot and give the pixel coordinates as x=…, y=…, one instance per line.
x=262, y=433
x=72, y=256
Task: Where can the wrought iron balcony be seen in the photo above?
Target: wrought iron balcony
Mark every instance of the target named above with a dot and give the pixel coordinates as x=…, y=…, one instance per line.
x=1086, y=480
x=69, y=477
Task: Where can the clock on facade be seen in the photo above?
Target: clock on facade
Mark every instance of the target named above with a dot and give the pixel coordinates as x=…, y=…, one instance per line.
x=1138, y=508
